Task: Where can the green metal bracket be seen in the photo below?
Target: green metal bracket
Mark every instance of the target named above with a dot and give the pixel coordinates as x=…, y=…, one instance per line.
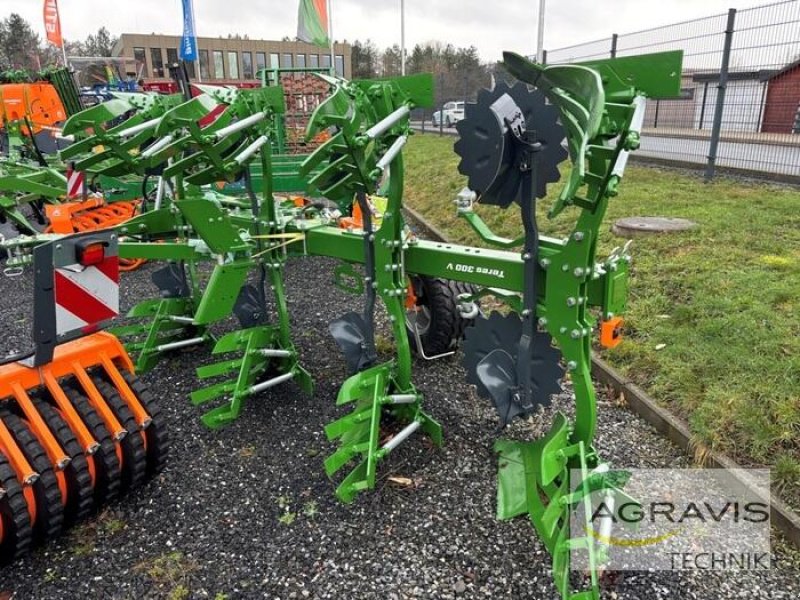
x=373, y=393
x=259, y=354
x=169, y=326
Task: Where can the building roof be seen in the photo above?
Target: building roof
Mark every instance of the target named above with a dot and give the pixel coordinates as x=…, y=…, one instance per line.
x=786, y=69
x=760, y=75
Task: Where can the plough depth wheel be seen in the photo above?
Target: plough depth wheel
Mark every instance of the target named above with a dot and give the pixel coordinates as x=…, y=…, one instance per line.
x=433, y=315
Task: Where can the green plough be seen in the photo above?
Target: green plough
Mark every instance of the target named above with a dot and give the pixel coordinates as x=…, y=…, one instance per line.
x=557, y=293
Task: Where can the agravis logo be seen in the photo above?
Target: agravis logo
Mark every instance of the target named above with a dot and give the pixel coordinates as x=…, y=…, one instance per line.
x=668, y=519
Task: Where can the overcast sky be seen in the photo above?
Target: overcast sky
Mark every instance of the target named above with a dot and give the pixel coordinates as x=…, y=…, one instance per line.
x=490, y=25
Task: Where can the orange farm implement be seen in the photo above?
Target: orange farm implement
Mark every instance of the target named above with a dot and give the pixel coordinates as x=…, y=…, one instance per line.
x=77, y=428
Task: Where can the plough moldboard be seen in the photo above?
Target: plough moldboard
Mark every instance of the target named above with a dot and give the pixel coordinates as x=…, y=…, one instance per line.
x=556, y=293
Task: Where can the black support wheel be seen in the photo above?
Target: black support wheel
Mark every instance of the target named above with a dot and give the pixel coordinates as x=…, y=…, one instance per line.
x=49, y=505
x=16, y=529
x=156, y=437
x=134, y=456
x=80, y=492
x=432, y=314
x=104, y=462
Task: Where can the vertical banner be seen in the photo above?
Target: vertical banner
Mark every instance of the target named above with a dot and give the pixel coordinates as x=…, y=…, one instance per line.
x=312, y=22
x=189, y=41
x=52, y=23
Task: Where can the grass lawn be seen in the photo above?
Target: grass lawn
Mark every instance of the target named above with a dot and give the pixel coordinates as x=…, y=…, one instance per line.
x=723, y=298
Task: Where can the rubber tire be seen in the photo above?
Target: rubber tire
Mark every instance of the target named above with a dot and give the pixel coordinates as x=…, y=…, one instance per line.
x=447, y=326
x=80, y=492
x=17, y=528
x=134, y=457
x=107, y=468
x=156, y=433
x=49, y=508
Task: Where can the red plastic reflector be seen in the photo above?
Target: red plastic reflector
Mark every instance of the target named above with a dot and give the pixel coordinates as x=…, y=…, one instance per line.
x=93, y=254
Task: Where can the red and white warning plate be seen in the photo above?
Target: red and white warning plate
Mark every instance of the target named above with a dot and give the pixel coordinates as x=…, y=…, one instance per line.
x=75, y=181
x=86, y=296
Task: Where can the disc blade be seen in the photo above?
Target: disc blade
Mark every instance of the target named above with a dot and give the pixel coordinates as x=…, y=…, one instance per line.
x=498, y=374
x=503, y=332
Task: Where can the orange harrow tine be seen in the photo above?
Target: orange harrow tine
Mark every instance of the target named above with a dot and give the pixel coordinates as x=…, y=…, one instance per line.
x=90, y=445
x=139, y=413
x=99, y=404
x=55, y=453
x=103, y=213
x=19, y=463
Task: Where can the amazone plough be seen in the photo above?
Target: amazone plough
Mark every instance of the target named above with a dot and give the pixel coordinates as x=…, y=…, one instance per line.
x=557, y=294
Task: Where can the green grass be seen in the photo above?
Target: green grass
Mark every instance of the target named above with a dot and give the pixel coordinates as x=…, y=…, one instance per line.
x=723, y=298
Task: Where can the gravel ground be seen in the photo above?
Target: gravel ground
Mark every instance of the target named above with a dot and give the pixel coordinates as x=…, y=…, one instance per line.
x=247, y=512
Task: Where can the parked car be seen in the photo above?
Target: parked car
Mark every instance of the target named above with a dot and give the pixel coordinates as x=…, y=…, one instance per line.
x=451, y=114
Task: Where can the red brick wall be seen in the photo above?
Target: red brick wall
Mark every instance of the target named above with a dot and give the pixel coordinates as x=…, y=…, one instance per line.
x=783, y=99
x=303, y=92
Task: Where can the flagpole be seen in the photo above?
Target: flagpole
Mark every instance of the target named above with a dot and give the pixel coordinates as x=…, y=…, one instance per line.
x=540, y=34
x=330, y=37
x=196, y=46
x=402, y=37
x=63, y=42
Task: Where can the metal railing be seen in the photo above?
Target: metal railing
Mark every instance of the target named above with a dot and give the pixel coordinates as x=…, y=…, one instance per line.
x=739, y=108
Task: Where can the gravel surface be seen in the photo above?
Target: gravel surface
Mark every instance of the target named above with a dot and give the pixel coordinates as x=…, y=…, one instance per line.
x=247, y=512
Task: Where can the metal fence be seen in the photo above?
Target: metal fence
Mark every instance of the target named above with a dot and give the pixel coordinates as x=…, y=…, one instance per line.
x=739, y=108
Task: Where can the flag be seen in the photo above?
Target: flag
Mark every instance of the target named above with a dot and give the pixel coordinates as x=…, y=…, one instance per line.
x=189, y=41
x=312, y=22
x=52, y=24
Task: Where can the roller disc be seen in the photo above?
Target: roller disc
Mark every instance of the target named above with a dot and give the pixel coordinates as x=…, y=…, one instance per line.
x=49, y=505
x=156, y=438
x=80, y=492
x=499, y=332
x=489, y=153
x=16, y=530
x=134, y=461
x=105, y=462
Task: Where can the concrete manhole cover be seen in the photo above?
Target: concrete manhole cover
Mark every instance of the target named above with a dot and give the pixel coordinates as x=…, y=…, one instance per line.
x=645, y=225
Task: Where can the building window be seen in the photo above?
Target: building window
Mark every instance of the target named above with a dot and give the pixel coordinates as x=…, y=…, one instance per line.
x=301, y=61
x=157, y=59
x=326, y=61
x=261, y=61
x=286, y=61
x=274, y=62
x=340, y=65
x=172, y=56
x=205, y=73
x=190, y=70
x=313, y=61
x=219, y=65
x=140, y=58
x=233, y=65
x=247, y=65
